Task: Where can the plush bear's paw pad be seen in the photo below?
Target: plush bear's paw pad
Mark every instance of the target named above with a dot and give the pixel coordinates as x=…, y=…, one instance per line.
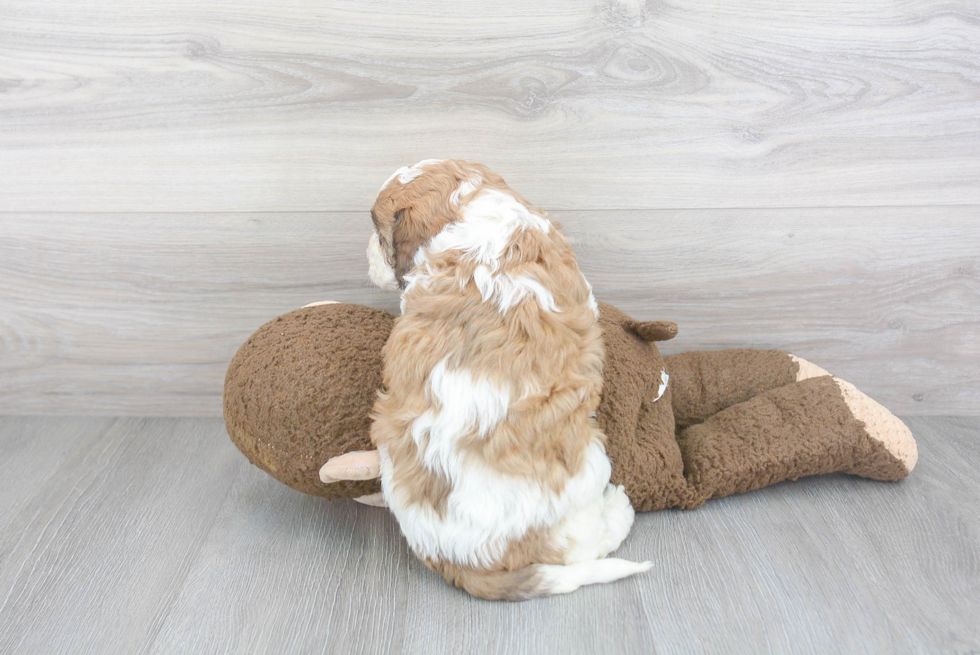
x=807, y=369
x=374, y=500
x=881, y=425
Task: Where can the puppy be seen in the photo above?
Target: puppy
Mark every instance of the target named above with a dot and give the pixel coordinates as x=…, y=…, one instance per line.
x=491, y=459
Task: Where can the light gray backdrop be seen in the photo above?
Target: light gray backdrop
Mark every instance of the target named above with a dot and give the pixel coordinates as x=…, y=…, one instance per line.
x=798, y=176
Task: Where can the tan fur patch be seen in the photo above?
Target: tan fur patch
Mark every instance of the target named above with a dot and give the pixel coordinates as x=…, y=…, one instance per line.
x=497, y=584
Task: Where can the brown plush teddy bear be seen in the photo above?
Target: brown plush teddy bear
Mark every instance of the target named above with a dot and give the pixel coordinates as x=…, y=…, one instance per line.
x=681, y=429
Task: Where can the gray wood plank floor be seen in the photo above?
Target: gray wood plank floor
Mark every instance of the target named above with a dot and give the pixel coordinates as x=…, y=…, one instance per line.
x=156, y=536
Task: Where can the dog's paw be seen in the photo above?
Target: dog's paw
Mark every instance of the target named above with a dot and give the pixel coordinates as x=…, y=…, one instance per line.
x=619, y=517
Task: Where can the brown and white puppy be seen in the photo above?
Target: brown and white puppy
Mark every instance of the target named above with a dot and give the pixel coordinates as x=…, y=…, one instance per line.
x=490, y=458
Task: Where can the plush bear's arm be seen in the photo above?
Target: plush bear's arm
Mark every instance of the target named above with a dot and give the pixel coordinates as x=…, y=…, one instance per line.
x=357, y=465
x=374, y=500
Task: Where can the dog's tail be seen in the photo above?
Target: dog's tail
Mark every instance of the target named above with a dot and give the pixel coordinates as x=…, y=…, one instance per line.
x=539, y=579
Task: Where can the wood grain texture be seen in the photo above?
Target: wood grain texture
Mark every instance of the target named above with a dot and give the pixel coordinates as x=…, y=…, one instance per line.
x=318, y=577
x=91, y=563
x=140, y=314
x=255, y=106
x=157, y=537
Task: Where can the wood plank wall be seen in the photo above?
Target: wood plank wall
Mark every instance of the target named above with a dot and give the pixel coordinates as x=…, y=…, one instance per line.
x=768, y=174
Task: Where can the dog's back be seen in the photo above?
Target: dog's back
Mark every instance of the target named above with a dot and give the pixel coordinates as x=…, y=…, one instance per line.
x=491, y=461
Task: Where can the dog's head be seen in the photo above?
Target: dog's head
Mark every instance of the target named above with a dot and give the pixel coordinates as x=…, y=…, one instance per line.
x=413, y=206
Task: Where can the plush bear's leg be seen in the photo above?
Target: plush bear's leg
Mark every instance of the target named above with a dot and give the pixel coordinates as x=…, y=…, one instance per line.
x=819, y=425
x=706, y=382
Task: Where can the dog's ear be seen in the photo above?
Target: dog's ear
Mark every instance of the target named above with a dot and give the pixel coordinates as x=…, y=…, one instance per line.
x=387, y=215
x=412, y=229
x=406, y=216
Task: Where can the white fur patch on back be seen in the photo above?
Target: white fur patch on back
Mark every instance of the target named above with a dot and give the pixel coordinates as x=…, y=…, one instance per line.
x=419, y=278
x=406, y=174
x=593, y=305
x=486, y=225
x=507, y=290
x=465, y=406
x=486, y=509
x=466, y=188
x=416, y=170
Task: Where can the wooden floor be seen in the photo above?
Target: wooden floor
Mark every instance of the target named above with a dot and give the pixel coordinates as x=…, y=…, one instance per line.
x=157, y=536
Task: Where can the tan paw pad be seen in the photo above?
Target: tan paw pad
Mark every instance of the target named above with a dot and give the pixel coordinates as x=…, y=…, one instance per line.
x=807, y=369
x=881, y=425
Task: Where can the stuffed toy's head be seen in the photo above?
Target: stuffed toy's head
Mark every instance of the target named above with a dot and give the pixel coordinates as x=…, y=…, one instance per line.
x=301, y=389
